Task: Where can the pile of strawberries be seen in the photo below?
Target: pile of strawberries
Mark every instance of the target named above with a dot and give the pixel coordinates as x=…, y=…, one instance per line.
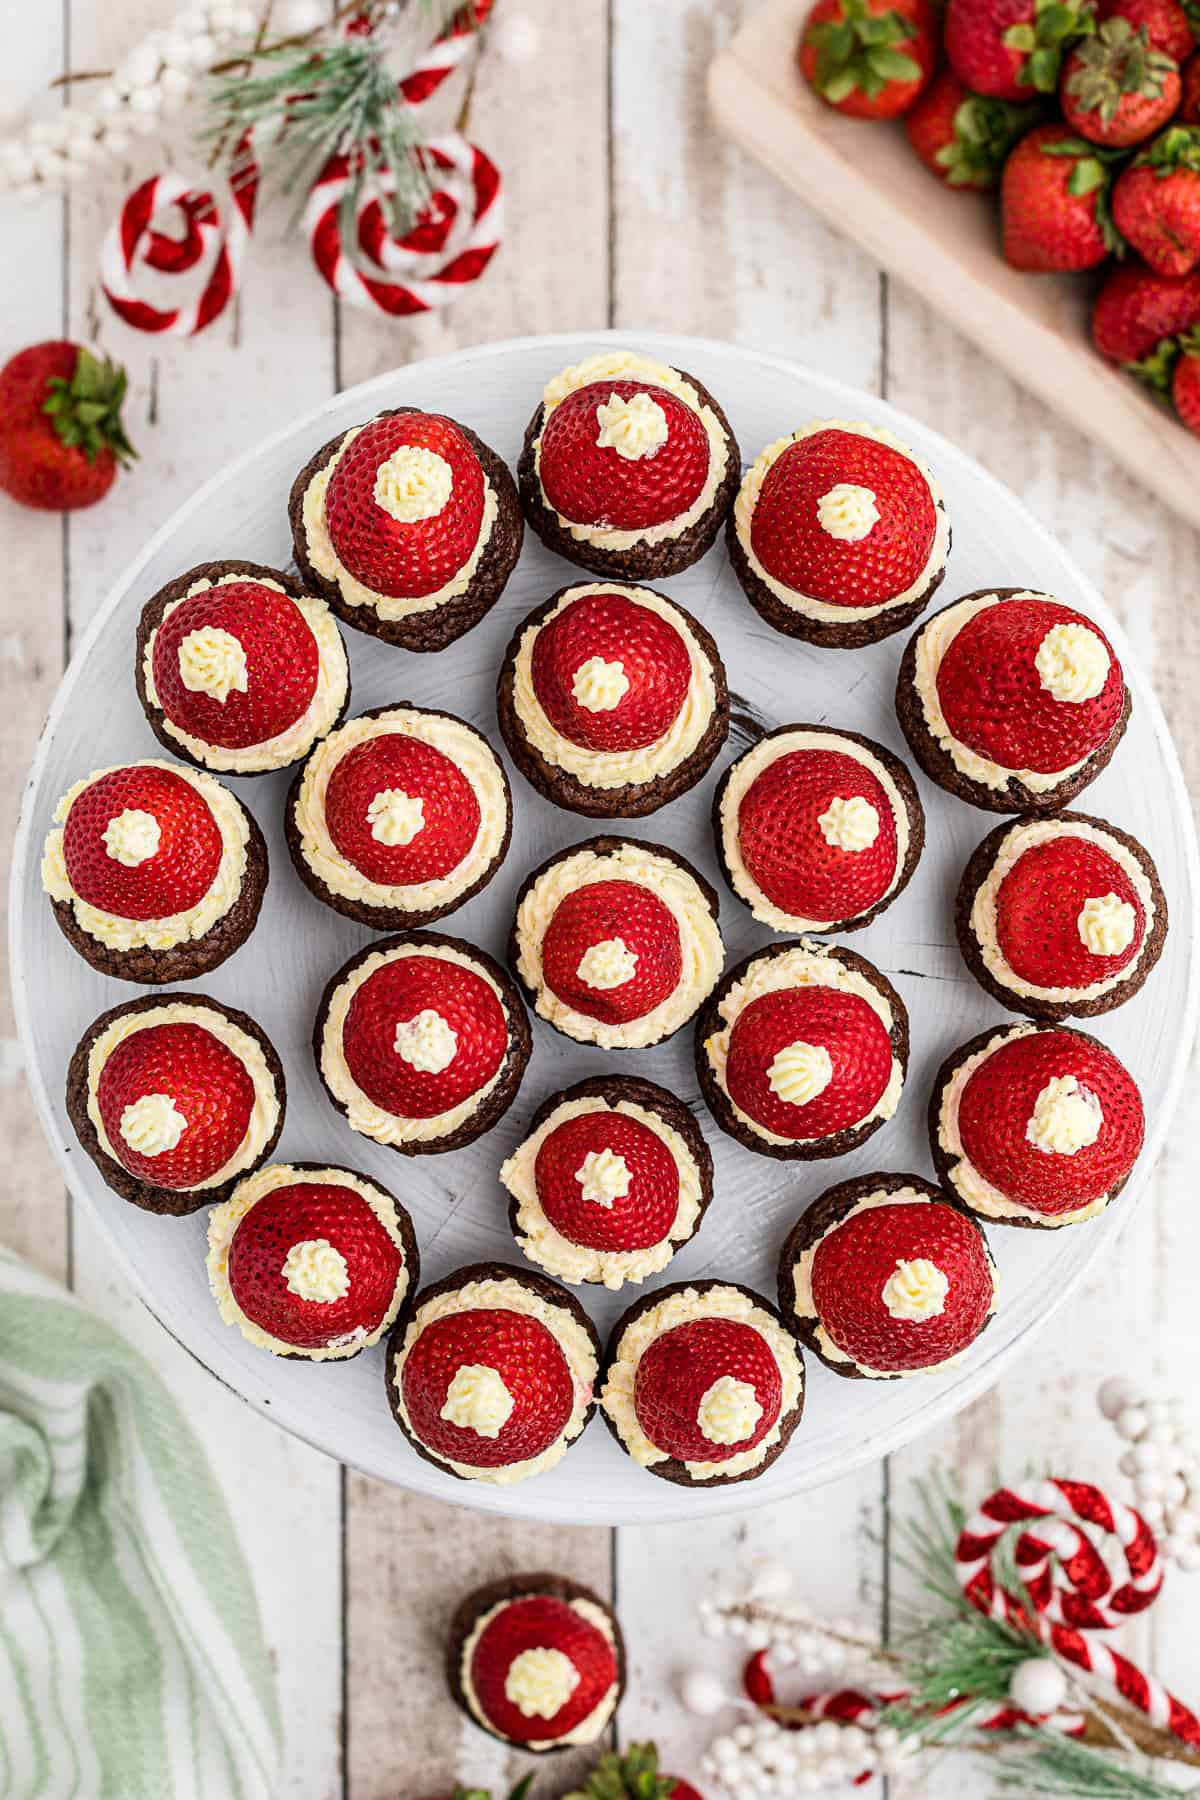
x=1084, y=113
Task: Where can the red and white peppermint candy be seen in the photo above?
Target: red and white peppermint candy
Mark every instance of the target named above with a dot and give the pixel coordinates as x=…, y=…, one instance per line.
x=449, y=246
x=211, y=235
x=446, y=54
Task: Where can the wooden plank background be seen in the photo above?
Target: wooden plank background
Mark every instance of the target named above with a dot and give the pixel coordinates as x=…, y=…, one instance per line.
x=624, y=209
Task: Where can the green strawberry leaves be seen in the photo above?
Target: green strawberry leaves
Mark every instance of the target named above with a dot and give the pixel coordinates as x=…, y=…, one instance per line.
x=1176, y=148
x=1155, y=371
x=984, y=132
x=1117, y=61
x=1043, y=41
x=859, y=51
x=86, y=410
x=1090, y=174
x=630, y=1776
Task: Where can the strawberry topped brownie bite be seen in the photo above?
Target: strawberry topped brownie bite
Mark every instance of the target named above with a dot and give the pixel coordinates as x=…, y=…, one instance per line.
x=311, y=1261
x=703, y=1383
x=802, y=1051
x=238, y=669
x=1012, y=700
x=884, y=1276
x=536, y=1660
x=175, y=1097
x=155, y=872
x=616, y=942
x=408, y=525
x=1035, y=1125
x=399, y=817
x=612, y=1179
x=491, y=1373
x=839, y=534
x=612, y=700
x=817, y=830
x=1061, y=917
x=629, y=466
x=421, y=1042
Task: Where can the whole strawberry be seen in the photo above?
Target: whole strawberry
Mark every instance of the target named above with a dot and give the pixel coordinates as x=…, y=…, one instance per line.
x=1013, y=49
x=868, y=58
x=1117, y=89
x=61, y=436
x=962, y=137
x=1165, y=22
x=1156, y=201
x=1185, y=382
x=1054, y=203
x=1138, y=318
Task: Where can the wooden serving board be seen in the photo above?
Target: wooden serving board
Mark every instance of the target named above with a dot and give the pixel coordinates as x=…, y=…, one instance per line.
x=865, y=181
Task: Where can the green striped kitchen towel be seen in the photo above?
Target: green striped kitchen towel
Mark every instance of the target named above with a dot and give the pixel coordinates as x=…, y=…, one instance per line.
x=132, y=1660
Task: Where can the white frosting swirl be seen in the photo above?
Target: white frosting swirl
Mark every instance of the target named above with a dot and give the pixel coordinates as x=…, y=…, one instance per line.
x=800, y=1071
x=1106, y=924
x=916, y=1290
x=426, y=1041
x=608, y=964
x=1072, y=663
x=728, y=1410
x=1066, y=1118
x=848, y=512
x=634, y=428
x=540, y=1682
x=314, y=1270
x=413, y=483
x=849, y=824
x=396, y=817
x=152, y=1124
x=603, y=1177
x=600, y=686
x=478, y=1401
x=132, y=837
x=213, y=662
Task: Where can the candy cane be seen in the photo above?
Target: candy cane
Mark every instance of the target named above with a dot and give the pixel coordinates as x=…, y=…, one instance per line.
x=450, y=245
x=445, y=54
x=136, y=238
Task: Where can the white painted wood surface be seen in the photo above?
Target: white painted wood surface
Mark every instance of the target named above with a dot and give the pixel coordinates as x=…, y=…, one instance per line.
x=626, y=208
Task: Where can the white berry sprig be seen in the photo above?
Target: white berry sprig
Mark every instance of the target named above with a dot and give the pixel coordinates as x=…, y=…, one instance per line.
x=1160, y=1463
x=766, y=1758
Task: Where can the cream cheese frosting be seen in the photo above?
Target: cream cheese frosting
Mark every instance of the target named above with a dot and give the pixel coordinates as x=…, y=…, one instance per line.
x=617, y=1395
x=545, y=1245
x=209, y=664
x=175, y=928
x=626, y=365
x=589, y=1729
x=699, y=935
x=806, y=964
x=363, y=1115
x=616, y=768
x=471, y=754
x=506, y=1294
x=844, y=506
x=849, y=827
x=1096, y=919
x=224, y=1220
x=422, y=491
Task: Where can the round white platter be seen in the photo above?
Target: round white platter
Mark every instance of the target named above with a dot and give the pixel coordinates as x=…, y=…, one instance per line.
x=456, y=1201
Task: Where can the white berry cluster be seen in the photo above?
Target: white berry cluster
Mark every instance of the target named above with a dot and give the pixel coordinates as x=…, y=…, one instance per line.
x=794, y=1638
x=152, y=80
x=1164, y=1470
x=765, y=1758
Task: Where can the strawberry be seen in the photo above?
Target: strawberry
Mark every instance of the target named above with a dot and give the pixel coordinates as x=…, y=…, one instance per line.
x=529, y=1361
x=608, y=912
x=592, y=482
x=855, y=1261
x=653, y=661
x=676, y=1371
x=540, y=1622
x=844, y=1024
x=786, y=849
x=994, y=699
x=1137, y=318
x=368, y=779
x=206, y=1083
x=1166, y=23
x=281, y=658
x=306, y=1212
x=1038, y=909
x=1189, y=104
x=1054, y=203
x=793, y=545
x=1185, y=383
x=1156, y=201
x=1012, y=49
x=868, y=58
x=997, y=1107
x=470, y=1028
x=395, y=556
x=633, y=1221
x=61, y=436
x=632, y=1774
x=171, y=880
x=963, y=138
x=1116, y=88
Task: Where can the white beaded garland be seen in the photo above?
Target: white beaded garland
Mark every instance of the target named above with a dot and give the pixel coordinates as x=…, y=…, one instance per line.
x=701, y=1692
x=1164, y=1471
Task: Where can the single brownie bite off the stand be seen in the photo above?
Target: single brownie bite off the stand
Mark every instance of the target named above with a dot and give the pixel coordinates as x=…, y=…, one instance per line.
x=1035, y=1125
x=536, y=1660
x=399, y=817
x=238, y=669
x=409, y=526
x=816, y=829
x=311, y=1261
x=155, y=873
x=175, y=1097
x=491, y=1373
x=1011, y=700
x=839, y=534
x=884, y=1276
x=612, y=700
x=628, y=468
